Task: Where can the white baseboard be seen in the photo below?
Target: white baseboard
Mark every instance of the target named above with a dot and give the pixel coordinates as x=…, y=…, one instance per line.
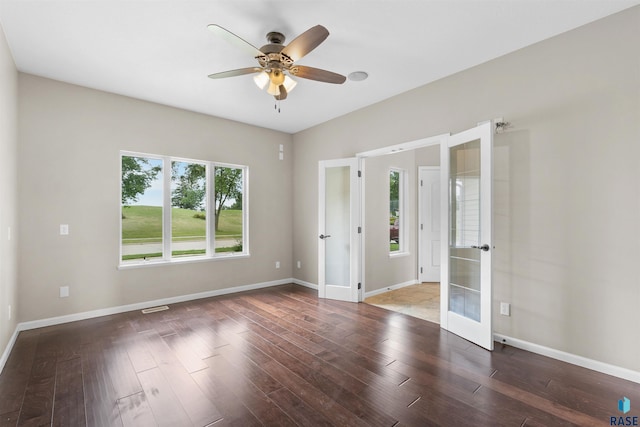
x=7, y=350
x=139, y=306
x=305, y=284
x=574, y=359
x=390, y=288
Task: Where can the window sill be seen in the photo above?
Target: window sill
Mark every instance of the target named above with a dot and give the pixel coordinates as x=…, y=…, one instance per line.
x=399, y=254
x=182, y=260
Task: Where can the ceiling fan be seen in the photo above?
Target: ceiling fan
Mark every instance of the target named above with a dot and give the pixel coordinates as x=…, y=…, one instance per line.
x=277, y=61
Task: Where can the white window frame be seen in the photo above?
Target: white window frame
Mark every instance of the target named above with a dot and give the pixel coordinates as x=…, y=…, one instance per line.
x=211, y=254
x=403, y=249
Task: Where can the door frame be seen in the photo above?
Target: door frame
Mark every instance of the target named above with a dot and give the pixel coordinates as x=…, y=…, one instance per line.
x=392, y=149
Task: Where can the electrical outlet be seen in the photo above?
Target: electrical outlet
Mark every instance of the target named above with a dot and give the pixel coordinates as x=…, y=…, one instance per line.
x=64, y=229
x=277, y=264
x=299, y=264
x=505, y=309
x=64, y=291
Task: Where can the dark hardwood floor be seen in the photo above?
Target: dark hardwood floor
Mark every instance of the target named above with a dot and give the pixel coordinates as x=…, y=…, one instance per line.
x=282, y=357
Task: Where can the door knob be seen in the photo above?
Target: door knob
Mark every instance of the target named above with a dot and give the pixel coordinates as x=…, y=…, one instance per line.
x=484, y=247
x=322, y=236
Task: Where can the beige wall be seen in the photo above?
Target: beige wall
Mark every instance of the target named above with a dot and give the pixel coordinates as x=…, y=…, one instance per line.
x=399, y=269
x=567, y=181
x=8, y=192
x=70, y=139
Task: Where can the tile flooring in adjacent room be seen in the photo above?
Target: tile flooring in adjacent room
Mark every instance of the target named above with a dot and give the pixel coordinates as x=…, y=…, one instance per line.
x=421, y=301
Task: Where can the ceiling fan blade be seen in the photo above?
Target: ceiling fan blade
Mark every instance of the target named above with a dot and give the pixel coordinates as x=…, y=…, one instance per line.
x=305, y=42
x=317, y=74
x=233, y=73
x=235, y=40
x=283, y=93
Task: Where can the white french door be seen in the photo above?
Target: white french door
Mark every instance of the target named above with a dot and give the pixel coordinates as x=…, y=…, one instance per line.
x=338, y=221
x=467, y=245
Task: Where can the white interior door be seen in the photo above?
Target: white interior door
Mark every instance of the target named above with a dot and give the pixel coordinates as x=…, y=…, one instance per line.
x=465, y=289
x=429, y=232
x=338, y=237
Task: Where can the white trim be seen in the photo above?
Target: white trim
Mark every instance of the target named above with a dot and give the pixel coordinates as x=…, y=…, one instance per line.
x=412, y=145
x=574, y=359
x=391, y=288
x=185, y=260
x=9, y=348
x=305, y=284
x=399, y=254
x=25, y=326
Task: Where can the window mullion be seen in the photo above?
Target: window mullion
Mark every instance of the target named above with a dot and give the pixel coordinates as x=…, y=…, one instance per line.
x=166, y=209
x=210, y=210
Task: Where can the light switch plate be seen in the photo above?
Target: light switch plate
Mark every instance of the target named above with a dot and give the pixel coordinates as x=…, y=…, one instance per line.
x=505, y=309
x=64, y=229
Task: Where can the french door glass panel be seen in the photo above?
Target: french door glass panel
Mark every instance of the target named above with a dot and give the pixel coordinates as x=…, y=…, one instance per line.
x=464, y=261
x=337, y=222
x=338, y=216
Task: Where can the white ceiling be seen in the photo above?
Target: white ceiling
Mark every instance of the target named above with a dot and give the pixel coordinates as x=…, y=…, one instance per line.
x=161, y=51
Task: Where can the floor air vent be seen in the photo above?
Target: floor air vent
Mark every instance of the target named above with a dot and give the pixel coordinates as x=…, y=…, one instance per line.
x=155, y=309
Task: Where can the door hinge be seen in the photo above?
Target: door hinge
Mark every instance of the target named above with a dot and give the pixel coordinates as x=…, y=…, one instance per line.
x=420, y=270
x=421, y=226
x=421, y=183
x=359, y=285
x=359, y=230
x=359, y=174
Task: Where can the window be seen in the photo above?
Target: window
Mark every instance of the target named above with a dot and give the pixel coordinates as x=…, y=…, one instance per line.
x=177, y=209
x=397, y=235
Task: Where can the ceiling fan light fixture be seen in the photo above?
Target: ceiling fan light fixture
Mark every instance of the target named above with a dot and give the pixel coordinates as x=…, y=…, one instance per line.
x=261, y=80
x=273, y=89
x=276, y=76
x=289, y=83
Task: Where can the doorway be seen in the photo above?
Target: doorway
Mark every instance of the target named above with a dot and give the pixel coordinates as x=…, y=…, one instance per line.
x=406, y=280
x=466, y=233
x=422, y=299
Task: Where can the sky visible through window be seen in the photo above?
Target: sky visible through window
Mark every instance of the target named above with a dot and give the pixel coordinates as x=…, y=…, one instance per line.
x=152, y=196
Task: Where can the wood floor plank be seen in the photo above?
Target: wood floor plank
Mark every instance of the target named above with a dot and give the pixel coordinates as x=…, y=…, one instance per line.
x=233, y=411
x=189, y=397
x=37, y=406
x=68, y=406
x=15, y=376
x=9, y=419
x=135, y=411
x=298, y=410
x=239, y=382
x=100, y=396
x=167, y=409
x=282, y=356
